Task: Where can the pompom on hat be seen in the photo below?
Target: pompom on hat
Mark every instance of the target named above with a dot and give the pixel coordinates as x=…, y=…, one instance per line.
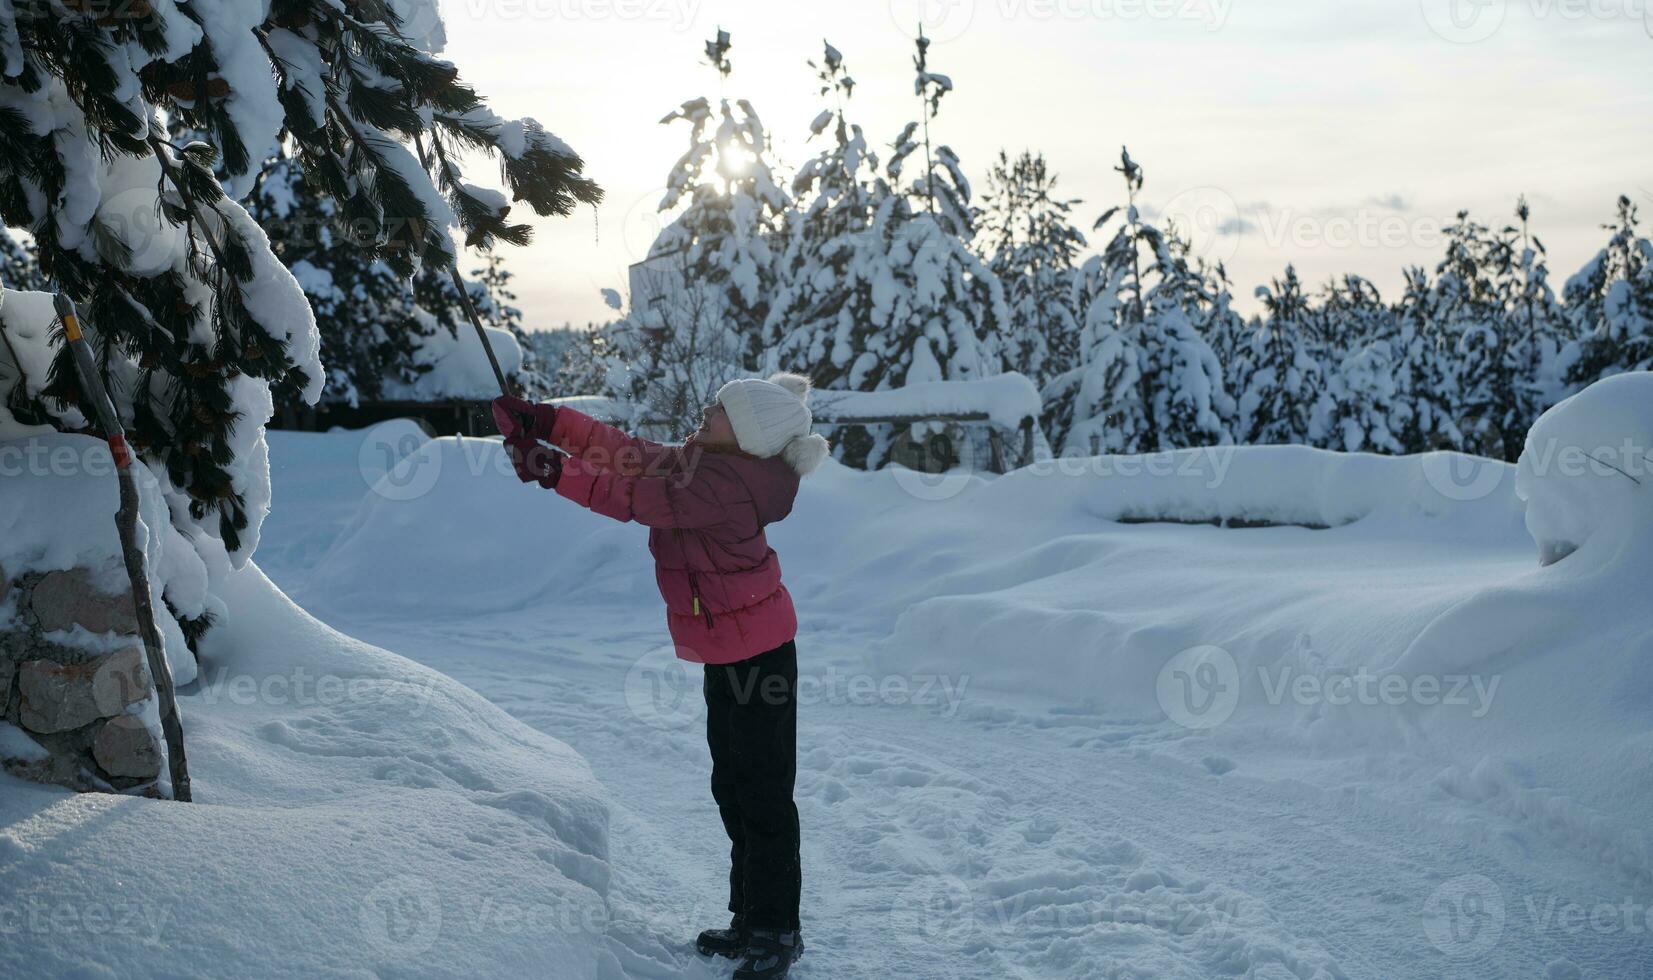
x=771, y=417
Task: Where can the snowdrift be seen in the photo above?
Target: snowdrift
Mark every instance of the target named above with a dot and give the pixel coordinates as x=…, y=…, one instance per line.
x=1587, y=465
x=358, y=815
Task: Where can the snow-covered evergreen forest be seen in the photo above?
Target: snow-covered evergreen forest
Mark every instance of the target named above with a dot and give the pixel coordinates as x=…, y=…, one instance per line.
x=875, y=265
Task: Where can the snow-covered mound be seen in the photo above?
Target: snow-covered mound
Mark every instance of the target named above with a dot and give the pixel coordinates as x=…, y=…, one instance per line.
x=1587, y=466
x=453, y=511
x=357, y=815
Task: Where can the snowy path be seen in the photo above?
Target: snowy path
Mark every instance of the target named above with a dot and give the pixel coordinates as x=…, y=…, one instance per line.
x=1006, y=843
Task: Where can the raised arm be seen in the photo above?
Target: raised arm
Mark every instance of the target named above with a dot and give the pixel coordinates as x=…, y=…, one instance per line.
x=604, y=446
x=578, y=434
x=680, y=500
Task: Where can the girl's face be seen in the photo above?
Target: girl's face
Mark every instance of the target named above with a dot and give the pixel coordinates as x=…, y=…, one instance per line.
x=715, y=431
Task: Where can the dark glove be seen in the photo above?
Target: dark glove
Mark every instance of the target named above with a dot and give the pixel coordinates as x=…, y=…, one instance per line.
x=517, y=417
x=534, y=462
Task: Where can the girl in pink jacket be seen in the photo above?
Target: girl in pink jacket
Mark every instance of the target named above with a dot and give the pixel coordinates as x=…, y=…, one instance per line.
x=706, y=504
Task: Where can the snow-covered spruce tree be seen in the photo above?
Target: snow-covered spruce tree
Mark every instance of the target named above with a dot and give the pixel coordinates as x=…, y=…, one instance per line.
x=1421, y=356
x=711, y=270
x=1147, y=380
x=1610, y=307
x=1357, y=328
x=902, y=300
x=1220, y=324
x=195, y=315
x=822, y=290
x=19, y=270
x=371, y=329
x=1032, y=247
x=936, y=310
x=1278, y=383
x=933, y=304
x=1466, y=307
x=380, y=333
x=1535, y=328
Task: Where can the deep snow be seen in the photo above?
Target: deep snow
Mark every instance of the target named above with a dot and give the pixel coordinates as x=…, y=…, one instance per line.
x=999, y=774
x=352, y=806
x=1039, y=738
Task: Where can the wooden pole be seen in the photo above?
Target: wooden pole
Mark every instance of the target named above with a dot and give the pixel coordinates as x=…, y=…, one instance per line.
x=126, y=523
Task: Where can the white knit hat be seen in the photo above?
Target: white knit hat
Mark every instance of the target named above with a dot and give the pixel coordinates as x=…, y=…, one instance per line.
x=772, y=417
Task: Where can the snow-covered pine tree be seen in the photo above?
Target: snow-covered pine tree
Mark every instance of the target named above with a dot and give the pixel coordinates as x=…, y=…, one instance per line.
x=1147, y=379
x=1098, y=405
x=934, y=304
x=1347, y=313
x=930, y=309
x=1422, y=362
x=1222, y=326
x=712, y=268
x=195, y=315
x=19, y=270
x=1466, y=308
x=732, y=207
x=379, y=332
x=882, y=288
x=1031, y=246
x=371, y=329
x=820, y=295
x=1610, y=307
x=1535, y=328
x=1280, y=387
x=1358, y=328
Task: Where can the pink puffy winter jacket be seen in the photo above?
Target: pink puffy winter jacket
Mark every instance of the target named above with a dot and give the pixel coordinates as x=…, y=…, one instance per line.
x=706, y=511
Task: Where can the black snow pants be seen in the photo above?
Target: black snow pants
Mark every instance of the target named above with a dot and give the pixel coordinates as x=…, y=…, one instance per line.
x=752, y=729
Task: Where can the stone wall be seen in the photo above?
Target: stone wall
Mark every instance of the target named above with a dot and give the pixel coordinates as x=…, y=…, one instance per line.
x=77, y=695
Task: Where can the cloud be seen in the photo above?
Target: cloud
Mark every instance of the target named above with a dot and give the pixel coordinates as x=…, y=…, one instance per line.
x=1394, y=202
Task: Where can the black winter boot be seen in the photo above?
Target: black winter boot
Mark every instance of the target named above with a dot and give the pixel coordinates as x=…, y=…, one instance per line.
x=770, y=954
x=730, y=942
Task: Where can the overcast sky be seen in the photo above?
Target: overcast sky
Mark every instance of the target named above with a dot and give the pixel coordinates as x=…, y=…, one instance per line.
x=1340, y=135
